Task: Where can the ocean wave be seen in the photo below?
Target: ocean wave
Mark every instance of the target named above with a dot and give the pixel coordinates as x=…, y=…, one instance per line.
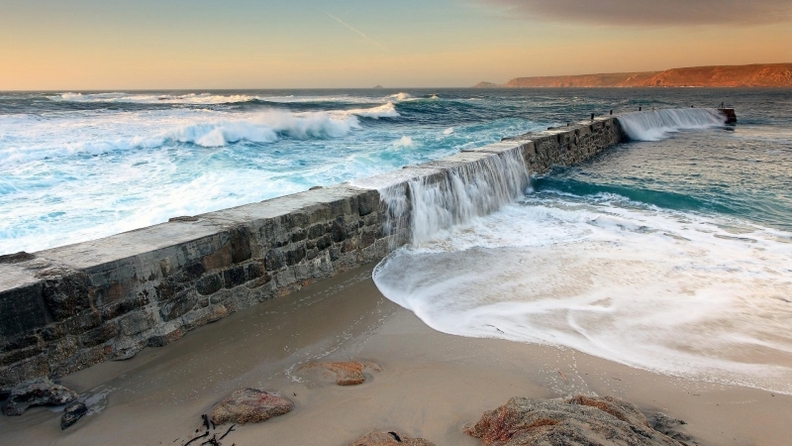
x=401, y=96
x=206, y=129
x=206, y=98
x=383, y=111
x=142, y=98
x=266, y=128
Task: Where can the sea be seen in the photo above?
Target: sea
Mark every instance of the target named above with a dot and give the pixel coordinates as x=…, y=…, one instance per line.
x=671, y=252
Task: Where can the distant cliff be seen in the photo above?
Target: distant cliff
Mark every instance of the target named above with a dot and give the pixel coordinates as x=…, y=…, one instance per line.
x=759, y=75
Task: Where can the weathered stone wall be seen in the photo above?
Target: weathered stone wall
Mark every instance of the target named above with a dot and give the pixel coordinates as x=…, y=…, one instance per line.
x=65, y=309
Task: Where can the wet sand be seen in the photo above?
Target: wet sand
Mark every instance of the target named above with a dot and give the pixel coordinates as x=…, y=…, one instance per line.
x=431, y=385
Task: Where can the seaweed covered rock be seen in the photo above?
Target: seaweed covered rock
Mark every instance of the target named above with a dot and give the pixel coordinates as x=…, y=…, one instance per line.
x=42, y=392
x=569, y=421
x=250, y=406
x=391, y=438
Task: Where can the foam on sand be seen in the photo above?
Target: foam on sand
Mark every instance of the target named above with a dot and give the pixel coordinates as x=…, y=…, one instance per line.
x=665, y=291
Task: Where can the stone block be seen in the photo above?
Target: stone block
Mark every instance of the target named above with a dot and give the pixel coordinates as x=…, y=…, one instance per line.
x=316, y=231
x=62, y=349
x=83, y=323
x=81, y=360
x=22, y=310
x=219, y=259
x=208, y=285
x=294, y=255
x=36, y=367
x=241, y=248
x=299, y=235
x=182, y=303
x=65, y=293
x=137, y=322
x=254, y=270
x=124, y=306
x=161, y=340
x=100, y=335
x=338, y=230
x=274, y=260
x=19, y=342
x=6, y=359
x=235, y=276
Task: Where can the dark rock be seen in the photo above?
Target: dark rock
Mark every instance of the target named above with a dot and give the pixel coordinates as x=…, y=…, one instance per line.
x=36, y=367
x=100, y=335
x=338, y=231
x=209, y=285
x=165, y=339
x=42, y=392
x=294, y=256
x=250, y=406
x=316, y=231
x=73, y=413
x=181, y=304
x=18, y=257
x=349, y=373
x=122, y=307
x=669, y=425
x=65, y=292
x=136, y=323
x=575, y=421
x=234, y=276
x=240, y=245
x=21, y=311
x=391, y=438
x=273, y=260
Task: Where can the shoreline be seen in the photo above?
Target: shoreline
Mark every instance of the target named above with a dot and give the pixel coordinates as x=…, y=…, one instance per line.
x=431, y=385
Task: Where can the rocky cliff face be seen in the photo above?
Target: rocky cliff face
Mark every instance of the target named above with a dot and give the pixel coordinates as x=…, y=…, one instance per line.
x=760, y=75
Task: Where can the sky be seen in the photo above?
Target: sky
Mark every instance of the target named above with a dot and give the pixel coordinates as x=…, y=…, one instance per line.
x=214, y=44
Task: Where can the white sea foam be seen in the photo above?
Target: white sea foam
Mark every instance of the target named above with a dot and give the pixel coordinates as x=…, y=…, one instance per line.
x=657, y=125
x=405, y=142
x=675, y=293
x=387, y=110
x=401, y=96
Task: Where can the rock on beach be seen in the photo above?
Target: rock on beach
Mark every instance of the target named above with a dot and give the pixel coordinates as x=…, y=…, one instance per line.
x=569, y=421
x=350, y=373
x=391, y=438
x=42, y=392
x=250, y=406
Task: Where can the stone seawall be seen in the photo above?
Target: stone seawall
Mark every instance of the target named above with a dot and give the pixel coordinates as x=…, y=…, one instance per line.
x=67, y=308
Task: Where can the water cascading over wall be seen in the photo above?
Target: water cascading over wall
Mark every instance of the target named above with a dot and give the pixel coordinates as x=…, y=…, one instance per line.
x=421, y=207
x=654, y=125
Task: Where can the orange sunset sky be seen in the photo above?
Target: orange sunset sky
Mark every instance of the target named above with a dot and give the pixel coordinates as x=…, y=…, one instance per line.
x=148, y=44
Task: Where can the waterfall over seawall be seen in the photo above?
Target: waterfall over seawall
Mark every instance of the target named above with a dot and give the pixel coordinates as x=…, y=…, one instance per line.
x=419, y=208
x=655, y=125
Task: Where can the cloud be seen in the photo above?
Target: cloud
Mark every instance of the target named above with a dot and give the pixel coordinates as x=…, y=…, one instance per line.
x=652, y=12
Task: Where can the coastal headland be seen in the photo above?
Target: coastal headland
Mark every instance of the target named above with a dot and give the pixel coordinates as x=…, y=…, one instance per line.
x=756, y=75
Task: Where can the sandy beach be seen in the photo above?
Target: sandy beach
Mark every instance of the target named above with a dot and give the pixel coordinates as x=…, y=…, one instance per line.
x=431, y=384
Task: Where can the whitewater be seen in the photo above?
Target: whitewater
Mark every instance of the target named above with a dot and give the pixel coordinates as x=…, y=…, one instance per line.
x=671, y=252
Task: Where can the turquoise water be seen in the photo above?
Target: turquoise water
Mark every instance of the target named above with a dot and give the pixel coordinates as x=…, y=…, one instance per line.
x=77, y=166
